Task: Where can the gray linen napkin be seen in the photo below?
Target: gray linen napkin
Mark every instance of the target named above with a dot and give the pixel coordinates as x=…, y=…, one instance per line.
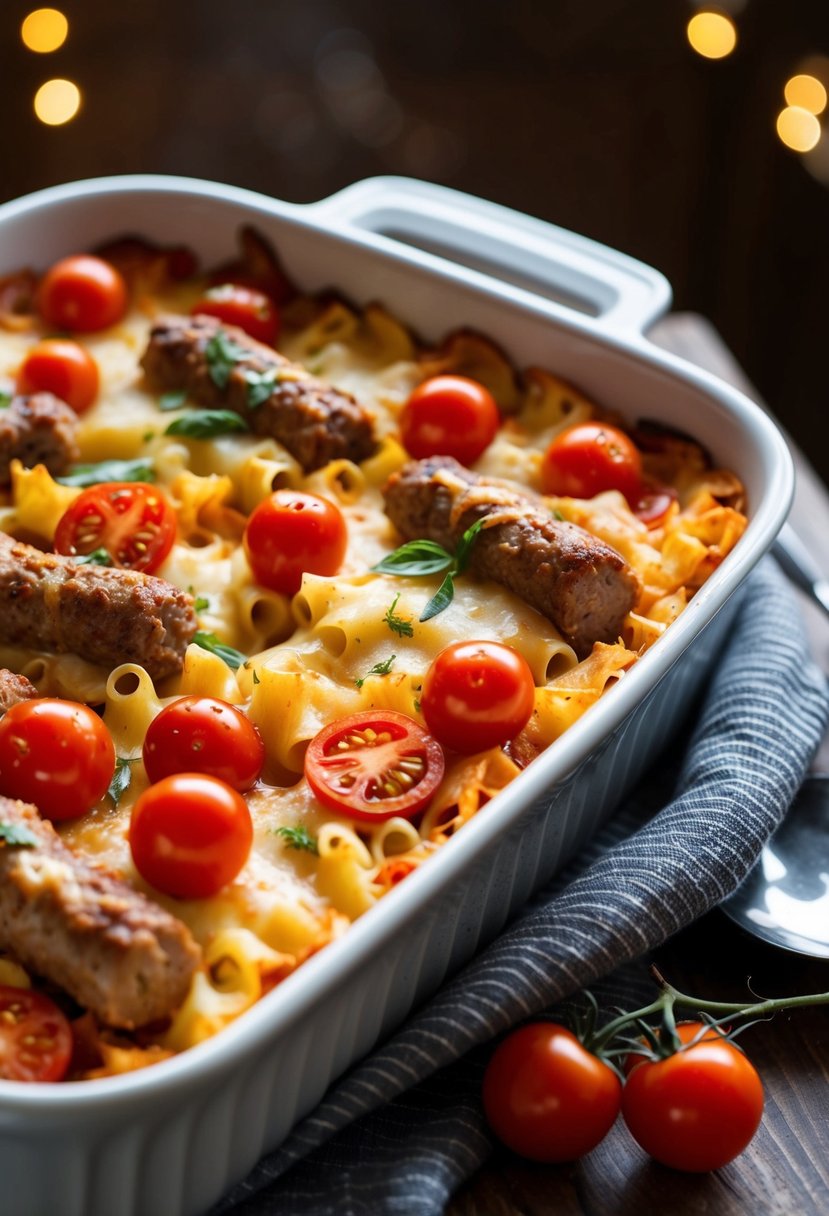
x=402, y=1130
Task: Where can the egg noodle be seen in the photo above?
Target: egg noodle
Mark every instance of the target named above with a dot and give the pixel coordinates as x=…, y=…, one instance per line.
x=328, y=652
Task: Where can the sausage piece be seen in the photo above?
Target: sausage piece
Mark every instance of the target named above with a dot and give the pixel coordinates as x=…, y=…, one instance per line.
x=38, y=429
x=115, y=951
x=313, y=420
x=574, y=579
x=108, y=616
x=14, y=688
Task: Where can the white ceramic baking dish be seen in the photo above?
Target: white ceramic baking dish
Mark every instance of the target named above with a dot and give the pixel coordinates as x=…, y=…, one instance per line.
x=169, y=1140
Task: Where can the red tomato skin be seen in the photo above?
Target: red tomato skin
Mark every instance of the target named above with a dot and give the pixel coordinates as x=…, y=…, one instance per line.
x=190, y=835
x=246, y=308
x=204, y=735
x=83, y=294
x=62, y=367
x=546, y=1097
x=56, y=754
x=696, y=1110
x=477, y=695
x=133, y=521
x=35, y=1037
x=324, y=762
x=449, y=416
x=589, y=458
x=290, y=534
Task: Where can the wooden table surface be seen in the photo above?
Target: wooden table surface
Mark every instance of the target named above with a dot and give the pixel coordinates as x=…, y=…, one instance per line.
x=785, y=1169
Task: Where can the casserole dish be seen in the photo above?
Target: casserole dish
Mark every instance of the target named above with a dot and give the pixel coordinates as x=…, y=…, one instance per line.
x=172, y=1138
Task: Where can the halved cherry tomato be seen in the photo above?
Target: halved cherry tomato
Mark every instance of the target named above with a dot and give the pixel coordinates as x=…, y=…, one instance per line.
x=133, y=521
x=35, y=1037
x=589, y=458
x=204, y=735
x=548, y=1098
x=653, y=503
x=56, y=754
x=250, y=310
x=62, y=367
x=190, y=835
x=698, y=1109
x=449, y=416
x=83, y=294
x=477, y=695
x=374, y=765
x=291, y=533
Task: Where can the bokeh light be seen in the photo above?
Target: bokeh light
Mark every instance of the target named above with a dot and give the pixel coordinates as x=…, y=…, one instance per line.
x=712, y=35
x=44, y=30
x=798, y=128
x=57, y=101
x=807, y=92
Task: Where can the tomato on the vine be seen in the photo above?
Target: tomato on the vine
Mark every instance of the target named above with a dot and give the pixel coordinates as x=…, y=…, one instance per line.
x=57, y=754
x=449, y=416
x=190, y=835
x=82, y=294
x=244, y=307
x=132, y=521
x=546, y=1096
x=35, y=1037
x=477, y=695
x=698, y=1109
x=589, y=458
x=290, y=534
x=374, y=765
x=204, y=735
x=62, y=367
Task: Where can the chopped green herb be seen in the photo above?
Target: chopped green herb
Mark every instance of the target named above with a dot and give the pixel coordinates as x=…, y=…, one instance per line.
x=5, y=400
x=398, y=624
x=18, y=834
x=201, y=603
x=298, y=838
x=98, y=557
x=417, y=706
x=260, y=386
x=222, y=355
x=109, y=470
x=121, y=778
x=418, y=558
x=209, y=641
x=557, y=515
x=256, y=679
x=206, y=424
x=147, y=436
x=379, y=669
x=172, y=401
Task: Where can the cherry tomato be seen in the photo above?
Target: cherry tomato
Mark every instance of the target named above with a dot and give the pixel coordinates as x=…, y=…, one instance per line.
x=250, y=310
x=204, y=735
x=190, y=835
x=374, y=765
x=133, y=521
x=291, y=533
x=62, y=367
x=590, y=457
x=82, y=294
x=477, y=695
x=56, y=754
x=449, y=416
x=698, y=1109
x=35, y=1037
x=687, y=1032
x=546, y=1097
x=653, y=503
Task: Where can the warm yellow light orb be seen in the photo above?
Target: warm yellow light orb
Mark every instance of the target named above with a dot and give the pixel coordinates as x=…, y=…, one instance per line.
x=807, y=92
x=44, y=30
x=57, y=101
x=798, y=128
x=712, y=35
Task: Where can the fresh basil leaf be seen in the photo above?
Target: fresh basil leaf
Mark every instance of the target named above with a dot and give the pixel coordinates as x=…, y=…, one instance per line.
x=298, y=838
x=222, y=355
x=109, y=470
x=206, y=424
x=209, y=641
x=172, y=401
x=260, y=386
x=5, y=400
x=18, y=834
x=465, y=544
x=121, y=778
x=98, y=557
x=201, y=603
x=441, y=599
x=416, y=557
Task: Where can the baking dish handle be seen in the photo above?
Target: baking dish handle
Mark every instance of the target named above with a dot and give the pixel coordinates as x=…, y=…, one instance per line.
x=555, y=268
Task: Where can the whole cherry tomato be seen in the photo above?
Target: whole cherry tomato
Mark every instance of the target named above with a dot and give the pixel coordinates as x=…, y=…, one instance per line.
x=548, y=1098
x=291, y=533
x=190, y=835
x=589, y=458
x=698, y=1109
x=449, y=416
x=83, y=294
x=244, y=307
x=477, y=695
x=35, y=1037
x=56, y=754
x=204, y=735
x=132, y=521
x=62, y=367
x=374, y=765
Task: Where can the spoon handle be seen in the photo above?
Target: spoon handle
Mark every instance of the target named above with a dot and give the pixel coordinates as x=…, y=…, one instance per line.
x=798, y=564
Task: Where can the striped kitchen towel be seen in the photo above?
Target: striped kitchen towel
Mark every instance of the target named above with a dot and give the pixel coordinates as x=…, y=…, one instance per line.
x=404, y=1128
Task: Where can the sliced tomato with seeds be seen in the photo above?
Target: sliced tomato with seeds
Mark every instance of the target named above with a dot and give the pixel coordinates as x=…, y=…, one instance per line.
x=35, y=1038
x=132, y=521
x=374, y=765
x=654, y=503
